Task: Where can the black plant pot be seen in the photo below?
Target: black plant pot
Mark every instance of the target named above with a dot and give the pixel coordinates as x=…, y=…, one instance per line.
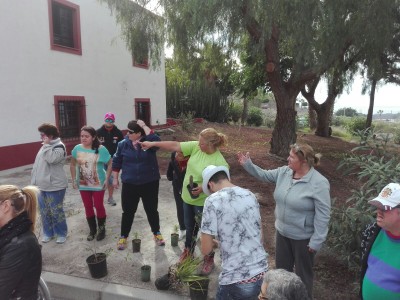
x=198, y=290
x=195, y=185
x=97, y=264
x=174, y=239
x=136, y=245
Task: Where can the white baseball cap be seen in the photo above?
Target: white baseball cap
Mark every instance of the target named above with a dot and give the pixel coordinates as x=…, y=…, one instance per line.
x=209, y=172
x=388, y=198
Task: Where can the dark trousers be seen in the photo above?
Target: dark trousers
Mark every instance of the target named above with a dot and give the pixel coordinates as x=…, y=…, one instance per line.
x=294, y=253
x=130, y=196
x=192, y=215
x=179, y=204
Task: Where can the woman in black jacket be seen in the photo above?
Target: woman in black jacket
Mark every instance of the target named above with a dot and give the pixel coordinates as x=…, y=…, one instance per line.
x=20, y=255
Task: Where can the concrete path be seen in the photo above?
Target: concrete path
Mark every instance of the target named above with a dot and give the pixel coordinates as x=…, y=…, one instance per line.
x=65, y=268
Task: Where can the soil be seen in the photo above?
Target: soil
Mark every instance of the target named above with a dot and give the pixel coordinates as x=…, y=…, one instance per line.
x=332, y=278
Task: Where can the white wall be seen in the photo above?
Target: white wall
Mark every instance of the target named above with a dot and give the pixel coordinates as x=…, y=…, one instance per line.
x=31, y=73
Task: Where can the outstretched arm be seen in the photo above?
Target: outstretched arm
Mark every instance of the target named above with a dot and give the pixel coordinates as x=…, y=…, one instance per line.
x=165, y=145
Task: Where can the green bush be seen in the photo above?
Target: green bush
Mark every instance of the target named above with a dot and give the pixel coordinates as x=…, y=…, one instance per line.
x=374, y=170
x=235, y=112
x=355, y=124
x=339, y=121
x=255, y=117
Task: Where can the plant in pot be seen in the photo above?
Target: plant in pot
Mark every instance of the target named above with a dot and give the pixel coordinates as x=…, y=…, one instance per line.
x=145, y=272
x=136, y=242
x=97, y=261
x=185, y=274
x=175, y=236
x=191, y=186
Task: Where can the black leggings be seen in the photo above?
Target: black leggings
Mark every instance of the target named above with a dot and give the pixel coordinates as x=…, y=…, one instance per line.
x=130, y=196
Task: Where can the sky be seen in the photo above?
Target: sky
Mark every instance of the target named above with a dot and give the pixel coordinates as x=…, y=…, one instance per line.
x=387, y=98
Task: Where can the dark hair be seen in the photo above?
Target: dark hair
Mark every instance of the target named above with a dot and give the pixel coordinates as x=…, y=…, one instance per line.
x=93, y=133
x=220, y=175
x=49, y=130
x=133, y=126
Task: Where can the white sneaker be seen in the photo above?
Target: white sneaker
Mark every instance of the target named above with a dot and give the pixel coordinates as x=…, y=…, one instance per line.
x=61, y=240
x=182, y=234
x=111, y=201
x=46, y=239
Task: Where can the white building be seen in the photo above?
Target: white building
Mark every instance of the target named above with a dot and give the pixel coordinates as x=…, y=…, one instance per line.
x=65, y=62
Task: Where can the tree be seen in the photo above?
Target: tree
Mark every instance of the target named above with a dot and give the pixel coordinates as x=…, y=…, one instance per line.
x=309, y=34
x=347, y=112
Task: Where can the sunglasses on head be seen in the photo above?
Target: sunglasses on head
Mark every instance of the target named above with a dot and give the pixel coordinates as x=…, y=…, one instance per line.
x=298, y=149
x=131, y=131
x=109, y=121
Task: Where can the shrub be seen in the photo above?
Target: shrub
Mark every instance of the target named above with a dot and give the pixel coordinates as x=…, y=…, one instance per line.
x=255, y=117
x=339, y=121
x=375, y=168
x=235, y=112
x=355, y=124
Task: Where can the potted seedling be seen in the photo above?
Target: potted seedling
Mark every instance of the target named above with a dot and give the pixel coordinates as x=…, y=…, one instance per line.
x=145, y=272
x=136, y=242
x=175, y=236
x=186, y=274
x=97, y=261
x=191, y=186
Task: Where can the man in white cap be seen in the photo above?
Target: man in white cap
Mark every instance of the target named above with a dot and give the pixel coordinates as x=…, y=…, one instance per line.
x=109, y=136
x=231, y=221
x=380, y=248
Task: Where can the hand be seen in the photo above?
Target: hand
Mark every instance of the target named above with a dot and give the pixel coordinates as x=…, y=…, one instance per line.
x=243, y=158
x=197, y=190
x=74, y=185
x=115, y=183
x=311, y=250
x=141, y=123
x=145, y=145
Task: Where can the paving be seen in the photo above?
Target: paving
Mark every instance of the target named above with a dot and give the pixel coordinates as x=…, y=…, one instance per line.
x=64, y=266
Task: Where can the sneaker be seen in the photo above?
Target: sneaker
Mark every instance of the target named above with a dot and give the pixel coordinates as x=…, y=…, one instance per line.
x=208, y=265
x=182, y=234
x=122, y=243
x=111, y=201
x=61, y=240
x=185, y=254
x=158, y=238
x=46, y=239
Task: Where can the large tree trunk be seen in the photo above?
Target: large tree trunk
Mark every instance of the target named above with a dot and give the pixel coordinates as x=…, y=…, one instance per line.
x=245, y=111
x=323, y=121
x=284, y=133
x=312, y=118
x=368, y=123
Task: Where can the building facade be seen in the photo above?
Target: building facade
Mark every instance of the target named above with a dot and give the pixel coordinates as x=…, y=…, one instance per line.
x=64, y=62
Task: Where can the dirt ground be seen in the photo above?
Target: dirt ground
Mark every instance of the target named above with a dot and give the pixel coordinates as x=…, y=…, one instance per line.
x=332, y=279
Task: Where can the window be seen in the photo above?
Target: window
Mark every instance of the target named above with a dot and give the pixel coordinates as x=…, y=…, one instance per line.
x=142, y=110
x=65, y=31
x=70, y=116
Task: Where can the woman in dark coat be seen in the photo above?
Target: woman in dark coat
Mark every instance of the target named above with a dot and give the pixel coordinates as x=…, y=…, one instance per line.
x=20, y=255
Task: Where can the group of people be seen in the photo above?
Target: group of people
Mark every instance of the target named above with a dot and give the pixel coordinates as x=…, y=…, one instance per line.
x=227, y=216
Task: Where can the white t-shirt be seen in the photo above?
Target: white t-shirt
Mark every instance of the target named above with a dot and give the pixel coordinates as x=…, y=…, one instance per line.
x=232, y=215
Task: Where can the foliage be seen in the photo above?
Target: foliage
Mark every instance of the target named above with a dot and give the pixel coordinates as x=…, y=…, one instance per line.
x=185, y=273
x=355, y=124
x=255, y=117
x=375, y=167
x=186, y=120
x=339, y=121
x=346, y=111
x=235, y=111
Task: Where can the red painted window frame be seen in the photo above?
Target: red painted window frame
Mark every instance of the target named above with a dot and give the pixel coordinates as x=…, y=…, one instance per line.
x=76, y=28
x=144, y=65
x=82, y=119
x=146, y=100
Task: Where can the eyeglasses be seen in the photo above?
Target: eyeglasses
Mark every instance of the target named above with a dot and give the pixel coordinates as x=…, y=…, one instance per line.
x=109, y=121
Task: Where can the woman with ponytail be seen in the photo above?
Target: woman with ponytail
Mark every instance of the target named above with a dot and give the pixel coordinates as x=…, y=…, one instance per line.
x=88, y=175
x=203, y=153
x=20, y=254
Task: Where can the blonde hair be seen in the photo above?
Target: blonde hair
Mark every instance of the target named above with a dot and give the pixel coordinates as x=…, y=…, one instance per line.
x=216, y=139
x=304, y=151
x=24, y=199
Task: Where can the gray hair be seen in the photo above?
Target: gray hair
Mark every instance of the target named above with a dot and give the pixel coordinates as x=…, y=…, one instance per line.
x=284, y=285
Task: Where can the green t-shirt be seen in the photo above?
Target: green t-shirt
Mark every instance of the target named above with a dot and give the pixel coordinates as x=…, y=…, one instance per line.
x=198, y=161
x=90, y=173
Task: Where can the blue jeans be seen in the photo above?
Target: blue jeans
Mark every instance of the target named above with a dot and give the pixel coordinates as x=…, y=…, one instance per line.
x=239, y=291
x=52, y=213
x=192, y=215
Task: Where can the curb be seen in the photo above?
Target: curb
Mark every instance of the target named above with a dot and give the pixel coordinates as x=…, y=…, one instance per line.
x=74, y=288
